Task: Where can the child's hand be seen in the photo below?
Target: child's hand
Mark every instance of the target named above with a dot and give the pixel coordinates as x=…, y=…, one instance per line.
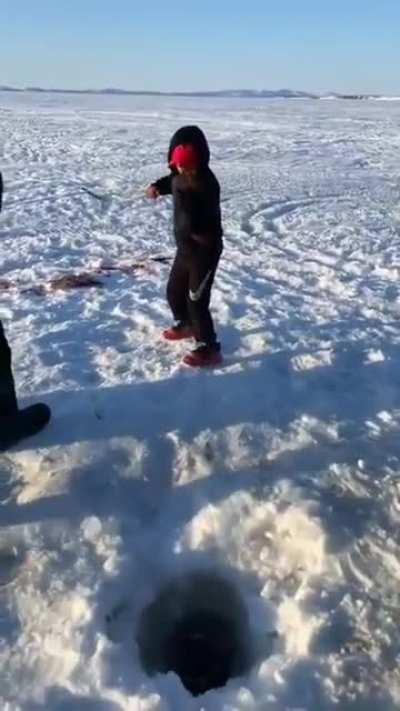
x=152, y=192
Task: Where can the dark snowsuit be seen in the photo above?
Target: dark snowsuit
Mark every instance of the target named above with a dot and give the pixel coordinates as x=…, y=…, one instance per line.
x=8, y=401
x=15, y=424
x=198, y=236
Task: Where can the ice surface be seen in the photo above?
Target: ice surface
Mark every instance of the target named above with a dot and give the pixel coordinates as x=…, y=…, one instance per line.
x=280, y=469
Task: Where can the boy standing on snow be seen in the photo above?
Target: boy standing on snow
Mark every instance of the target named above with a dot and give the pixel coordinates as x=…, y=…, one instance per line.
x=15, y=424
x=198, y=235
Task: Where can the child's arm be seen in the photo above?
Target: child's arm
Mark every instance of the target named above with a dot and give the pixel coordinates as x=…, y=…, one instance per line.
x=163, y=186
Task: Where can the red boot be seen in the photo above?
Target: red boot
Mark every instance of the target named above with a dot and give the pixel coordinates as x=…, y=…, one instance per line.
x=204, y=356
x=178, y=332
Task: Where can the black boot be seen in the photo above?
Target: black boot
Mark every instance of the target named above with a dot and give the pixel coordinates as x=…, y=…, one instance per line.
x=8, y=398
x=24, y=423
x=16, y=424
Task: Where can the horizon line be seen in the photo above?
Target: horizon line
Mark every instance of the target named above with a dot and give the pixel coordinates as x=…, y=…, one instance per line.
x=239, y=93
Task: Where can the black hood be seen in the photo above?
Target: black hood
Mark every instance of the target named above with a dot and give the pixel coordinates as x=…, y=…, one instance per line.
x=195, y=136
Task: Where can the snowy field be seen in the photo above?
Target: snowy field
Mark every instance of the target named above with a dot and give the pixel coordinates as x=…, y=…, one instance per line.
x=279, y=471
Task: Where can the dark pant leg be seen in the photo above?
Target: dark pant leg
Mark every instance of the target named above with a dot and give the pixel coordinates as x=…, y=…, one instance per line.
x=5, y=355
x=202, y=272
x=8, y=400
x=178, y=288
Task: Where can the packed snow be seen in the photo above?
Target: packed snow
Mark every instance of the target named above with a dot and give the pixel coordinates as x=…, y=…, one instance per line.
x=279, y=471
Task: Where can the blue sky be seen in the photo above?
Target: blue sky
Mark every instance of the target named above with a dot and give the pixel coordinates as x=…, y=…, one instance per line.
x=181, y=45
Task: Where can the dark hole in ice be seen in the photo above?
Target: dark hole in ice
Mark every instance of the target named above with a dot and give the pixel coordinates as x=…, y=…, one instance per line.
x=198, y=628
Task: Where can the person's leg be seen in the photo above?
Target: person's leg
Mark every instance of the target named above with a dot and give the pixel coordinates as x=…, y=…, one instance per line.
x=201, y=278
x=8, y=400
x=16, y=424
x=207, y=350
x=178, y=288
x=177, y=295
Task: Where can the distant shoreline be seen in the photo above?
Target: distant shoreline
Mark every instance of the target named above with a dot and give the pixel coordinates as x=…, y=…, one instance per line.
x=223, y=94
x=229, y=93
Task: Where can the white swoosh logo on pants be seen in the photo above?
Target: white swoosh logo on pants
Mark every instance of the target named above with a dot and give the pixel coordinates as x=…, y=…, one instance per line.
x=196, y=295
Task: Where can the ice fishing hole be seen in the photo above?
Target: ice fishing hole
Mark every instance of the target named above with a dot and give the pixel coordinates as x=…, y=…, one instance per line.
x=197, y=627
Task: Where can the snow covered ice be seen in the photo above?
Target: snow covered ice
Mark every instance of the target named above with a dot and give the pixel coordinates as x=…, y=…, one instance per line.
x=279, y=471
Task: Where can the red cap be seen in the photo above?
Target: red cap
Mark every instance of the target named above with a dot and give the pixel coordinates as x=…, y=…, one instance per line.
x=185, y=156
